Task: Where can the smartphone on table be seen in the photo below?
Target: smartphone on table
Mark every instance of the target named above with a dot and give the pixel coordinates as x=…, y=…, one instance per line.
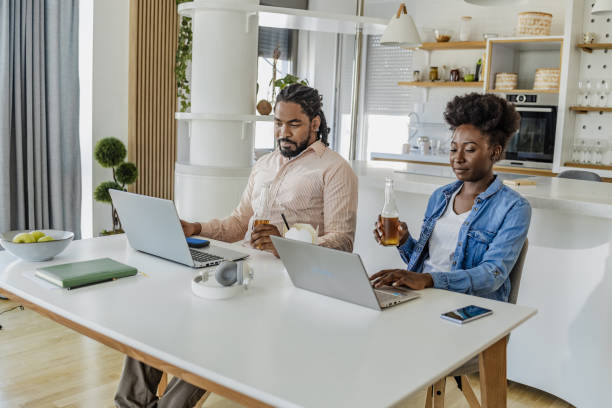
x=466, y=314
x=197, y=242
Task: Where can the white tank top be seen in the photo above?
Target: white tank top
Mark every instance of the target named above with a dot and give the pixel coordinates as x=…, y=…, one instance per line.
x=443, y=240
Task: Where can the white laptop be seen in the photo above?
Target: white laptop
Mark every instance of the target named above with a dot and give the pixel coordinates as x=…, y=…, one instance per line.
x=337, y=274
x=152, y=225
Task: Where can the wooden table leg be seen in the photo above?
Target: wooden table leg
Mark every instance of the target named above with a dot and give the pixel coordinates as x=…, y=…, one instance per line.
x=438, y=393
x=163, y=384
x=493, y=382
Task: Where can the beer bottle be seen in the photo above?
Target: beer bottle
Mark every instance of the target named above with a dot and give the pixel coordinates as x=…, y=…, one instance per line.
x=390, y=216
x=262, y=212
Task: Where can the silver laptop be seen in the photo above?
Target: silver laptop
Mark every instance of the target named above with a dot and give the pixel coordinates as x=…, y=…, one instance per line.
x=152, y=225
x=337, y=274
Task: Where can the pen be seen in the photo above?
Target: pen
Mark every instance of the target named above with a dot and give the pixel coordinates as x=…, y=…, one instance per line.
x=285, y=220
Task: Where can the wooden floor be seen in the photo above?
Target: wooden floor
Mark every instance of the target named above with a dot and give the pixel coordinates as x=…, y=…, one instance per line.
x=43, y=364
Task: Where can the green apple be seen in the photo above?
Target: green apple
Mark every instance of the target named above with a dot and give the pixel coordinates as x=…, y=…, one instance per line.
x=45, y=238
x=24, y=238
x=37, y=234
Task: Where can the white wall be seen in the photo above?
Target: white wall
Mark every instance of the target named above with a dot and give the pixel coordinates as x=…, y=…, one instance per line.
x=109, y=89
x=85, y=127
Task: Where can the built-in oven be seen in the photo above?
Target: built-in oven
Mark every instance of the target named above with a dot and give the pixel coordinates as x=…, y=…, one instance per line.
x=534, y=143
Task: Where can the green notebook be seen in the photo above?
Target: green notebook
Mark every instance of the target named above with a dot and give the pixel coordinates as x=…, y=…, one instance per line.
x=72, y=275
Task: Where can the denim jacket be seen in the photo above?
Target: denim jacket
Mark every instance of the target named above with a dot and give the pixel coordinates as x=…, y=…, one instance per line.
x=489, y=242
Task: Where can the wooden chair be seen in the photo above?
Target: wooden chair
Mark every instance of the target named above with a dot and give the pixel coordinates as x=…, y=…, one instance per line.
x=163, y=384
x=435, y=393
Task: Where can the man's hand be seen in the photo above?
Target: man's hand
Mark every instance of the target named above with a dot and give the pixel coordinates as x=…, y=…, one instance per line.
x=260, y=238
x=401, y=277
x=402, y=230
x=191, y=228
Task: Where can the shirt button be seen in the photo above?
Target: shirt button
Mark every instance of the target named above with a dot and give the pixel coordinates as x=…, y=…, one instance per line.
x=454, y=262
x=459, y=244
x=475, y=208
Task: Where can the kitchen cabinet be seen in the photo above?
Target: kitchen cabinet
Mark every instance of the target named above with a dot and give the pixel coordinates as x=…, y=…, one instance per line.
x=521, y=55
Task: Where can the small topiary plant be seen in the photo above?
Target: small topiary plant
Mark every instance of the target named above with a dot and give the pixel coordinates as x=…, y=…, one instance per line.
x=110, y=152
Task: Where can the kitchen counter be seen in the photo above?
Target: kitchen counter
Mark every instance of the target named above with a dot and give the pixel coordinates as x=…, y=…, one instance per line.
x=573, y=196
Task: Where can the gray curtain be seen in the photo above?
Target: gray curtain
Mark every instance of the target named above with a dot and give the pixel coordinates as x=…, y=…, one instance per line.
x=39, y=115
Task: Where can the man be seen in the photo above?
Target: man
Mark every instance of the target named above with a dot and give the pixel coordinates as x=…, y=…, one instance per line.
x=309, y=183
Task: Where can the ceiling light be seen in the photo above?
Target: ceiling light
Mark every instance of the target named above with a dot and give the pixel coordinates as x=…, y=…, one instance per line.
x=401, y=30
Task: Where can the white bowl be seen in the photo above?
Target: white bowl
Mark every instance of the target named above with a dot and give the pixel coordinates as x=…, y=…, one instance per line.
x=37, y=251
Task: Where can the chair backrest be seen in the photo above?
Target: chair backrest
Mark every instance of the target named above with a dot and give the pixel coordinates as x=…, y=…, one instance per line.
x=516, y=273
x=579, y=175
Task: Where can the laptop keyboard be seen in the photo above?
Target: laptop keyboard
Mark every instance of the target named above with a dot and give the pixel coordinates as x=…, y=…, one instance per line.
x=385, y=298
x=204, y=259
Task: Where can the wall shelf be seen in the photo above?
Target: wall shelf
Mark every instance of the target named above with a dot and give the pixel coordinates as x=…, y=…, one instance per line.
x=524, y=91
x=585, y=109
x=590, y=47
x=456, y=45
x=588, y=166
x=442, y=84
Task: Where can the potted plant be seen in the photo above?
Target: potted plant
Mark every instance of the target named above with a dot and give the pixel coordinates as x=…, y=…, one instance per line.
x=110, y=152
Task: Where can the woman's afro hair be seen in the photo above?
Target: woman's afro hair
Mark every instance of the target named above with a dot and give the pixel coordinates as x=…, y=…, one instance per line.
x=492, y=115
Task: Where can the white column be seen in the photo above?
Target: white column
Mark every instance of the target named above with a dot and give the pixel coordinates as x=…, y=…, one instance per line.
x=223, y=81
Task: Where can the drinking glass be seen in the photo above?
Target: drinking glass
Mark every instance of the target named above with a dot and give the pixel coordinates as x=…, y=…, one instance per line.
x=588, y=99
x=601, y=97
x=576, y=152
x=606, y=89
x=588, y=154
x=597, y=152
x=582, y=152
x=581, y=93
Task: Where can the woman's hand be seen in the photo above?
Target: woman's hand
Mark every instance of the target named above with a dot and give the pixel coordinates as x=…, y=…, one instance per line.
x=401, y=277
x=402, y=230
x=191, y=228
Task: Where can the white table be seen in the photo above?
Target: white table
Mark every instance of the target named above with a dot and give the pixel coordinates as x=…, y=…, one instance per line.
x=274, y=345
x=566, y=350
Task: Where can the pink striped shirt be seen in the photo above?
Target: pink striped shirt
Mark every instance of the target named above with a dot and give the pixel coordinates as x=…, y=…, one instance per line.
x=317, y=187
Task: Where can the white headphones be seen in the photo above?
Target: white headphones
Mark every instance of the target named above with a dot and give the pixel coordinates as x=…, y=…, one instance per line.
x=231, y=278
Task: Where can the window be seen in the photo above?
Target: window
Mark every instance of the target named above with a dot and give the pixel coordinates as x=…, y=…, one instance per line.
x=269, y=40
x=387, y=105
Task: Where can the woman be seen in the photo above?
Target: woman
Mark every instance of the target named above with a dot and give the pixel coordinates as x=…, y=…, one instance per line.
x=474, y=228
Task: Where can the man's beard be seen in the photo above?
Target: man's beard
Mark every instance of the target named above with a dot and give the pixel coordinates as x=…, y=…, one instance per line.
x=292, y=153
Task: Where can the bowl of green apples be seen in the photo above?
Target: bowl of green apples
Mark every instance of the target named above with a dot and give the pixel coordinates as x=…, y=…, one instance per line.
x=36, y=246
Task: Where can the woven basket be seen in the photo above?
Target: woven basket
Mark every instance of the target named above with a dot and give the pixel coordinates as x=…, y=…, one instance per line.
x=547, y=79
x=506, y=81
x=533, y=23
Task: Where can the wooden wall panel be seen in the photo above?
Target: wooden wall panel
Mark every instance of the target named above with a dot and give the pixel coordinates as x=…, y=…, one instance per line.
x=152, y=95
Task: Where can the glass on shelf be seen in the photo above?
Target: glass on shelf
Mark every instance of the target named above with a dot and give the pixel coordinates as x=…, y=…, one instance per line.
x=576, y=150
x=465, y=28
x=601, y=96
x=589, y=93
x=597, y=153
x=581, y=93
x=606, y=88
x=582, y=152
